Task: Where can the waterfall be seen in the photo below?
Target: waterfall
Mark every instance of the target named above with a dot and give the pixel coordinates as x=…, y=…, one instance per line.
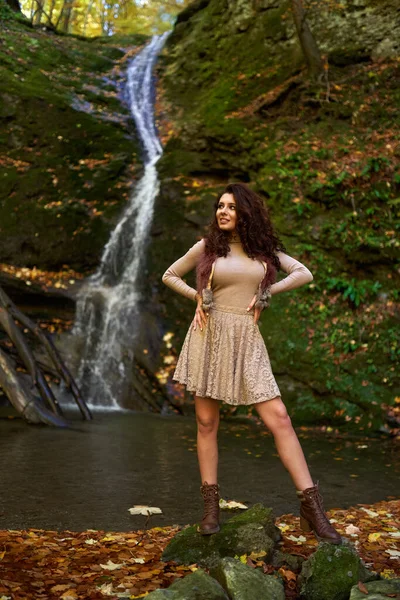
x=107, y=305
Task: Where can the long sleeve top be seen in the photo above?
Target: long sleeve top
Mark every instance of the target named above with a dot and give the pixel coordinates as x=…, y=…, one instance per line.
x=236, y=276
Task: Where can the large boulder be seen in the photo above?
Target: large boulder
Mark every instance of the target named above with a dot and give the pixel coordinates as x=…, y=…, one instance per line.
x=377, y=590
x=331, y=572
x=196, y=586
x=246, y=583
x=250, y=531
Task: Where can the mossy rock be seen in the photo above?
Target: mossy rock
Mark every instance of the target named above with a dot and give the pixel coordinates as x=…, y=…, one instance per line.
x=251, y=531
x=377, y=590
x=196, y=586
x=246, y=583
x=331, y=572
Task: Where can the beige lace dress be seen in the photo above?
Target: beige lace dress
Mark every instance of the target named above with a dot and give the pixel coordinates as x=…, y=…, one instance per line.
x=228, y=359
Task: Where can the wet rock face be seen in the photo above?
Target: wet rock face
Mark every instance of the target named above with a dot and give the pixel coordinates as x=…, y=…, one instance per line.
x=252, y=531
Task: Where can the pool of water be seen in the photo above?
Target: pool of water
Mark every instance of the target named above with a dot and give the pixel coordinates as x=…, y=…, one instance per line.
x=89, y=476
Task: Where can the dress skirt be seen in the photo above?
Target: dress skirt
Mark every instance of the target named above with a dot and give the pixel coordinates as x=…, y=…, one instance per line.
x=228, y=360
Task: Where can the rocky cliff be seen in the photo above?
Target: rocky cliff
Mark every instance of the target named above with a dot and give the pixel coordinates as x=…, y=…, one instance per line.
x=239, y=106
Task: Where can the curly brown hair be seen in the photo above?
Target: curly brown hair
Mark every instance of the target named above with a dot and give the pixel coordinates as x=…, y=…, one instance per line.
x=256, y=232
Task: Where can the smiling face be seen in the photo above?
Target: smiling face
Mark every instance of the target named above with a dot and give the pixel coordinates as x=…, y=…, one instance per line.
x=226, y=213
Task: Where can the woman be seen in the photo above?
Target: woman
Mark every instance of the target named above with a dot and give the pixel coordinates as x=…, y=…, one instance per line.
x=224, y=358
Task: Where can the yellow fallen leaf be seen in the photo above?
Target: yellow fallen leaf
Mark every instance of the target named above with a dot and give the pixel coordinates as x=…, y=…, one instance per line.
x=69, y=595
x=256, y=555
x=373, y=537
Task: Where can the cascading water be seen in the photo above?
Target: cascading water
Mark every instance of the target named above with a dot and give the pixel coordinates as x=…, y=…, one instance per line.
x=107, y=307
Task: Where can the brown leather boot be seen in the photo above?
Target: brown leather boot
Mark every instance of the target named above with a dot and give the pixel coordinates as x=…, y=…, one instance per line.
x=210, y=521
x=313, y=517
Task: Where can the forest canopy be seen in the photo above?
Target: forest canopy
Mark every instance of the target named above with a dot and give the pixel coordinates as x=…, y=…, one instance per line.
x=101, y=17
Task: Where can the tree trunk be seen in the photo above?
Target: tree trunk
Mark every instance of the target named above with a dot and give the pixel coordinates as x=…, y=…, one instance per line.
x=66, y=13
x=9, y=306
x=308, y=44
x=20, y=395
x=17, y=338
x=22, y=398
x=37, y=16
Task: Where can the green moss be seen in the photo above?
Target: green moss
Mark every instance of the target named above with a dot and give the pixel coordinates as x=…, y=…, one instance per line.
x=330, y=573
x=330, y=184
x=67, y=173
x=244, y=533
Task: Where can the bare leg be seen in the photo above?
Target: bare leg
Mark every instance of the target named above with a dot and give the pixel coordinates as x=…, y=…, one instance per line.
x=207, y=416
x=274, y=415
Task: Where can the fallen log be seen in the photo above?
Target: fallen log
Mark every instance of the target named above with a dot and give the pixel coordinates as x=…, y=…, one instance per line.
x=8, y=313
x=30, y=407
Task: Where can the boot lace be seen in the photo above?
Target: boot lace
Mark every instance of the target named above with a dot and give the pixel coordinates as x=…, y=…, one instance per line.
x=211, y=498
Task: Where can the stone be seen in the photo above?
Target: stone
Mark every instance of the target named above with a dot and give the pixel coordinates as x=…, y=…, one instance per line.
x=331, y=572
x=377, y=590
x=196, y=586
x=242, y=582
x=294, y=562
x=251, y=531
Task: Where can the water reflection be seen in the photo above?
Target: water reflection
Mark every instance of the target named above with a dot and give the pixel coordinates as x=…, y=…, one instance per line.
x=89, y=477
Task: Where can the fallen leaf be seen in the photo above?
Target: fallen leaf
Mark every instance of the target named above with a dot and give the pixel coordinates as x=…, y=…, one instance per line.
x=137, y=560
x=257, y=555
x=110, y=566
x=231, y=504
x=106, y=589
x=299, y=539
x=352, y=529
x=362, y=588
x=69, y=595
x=370, y=513
x=60, y=588
x=140, y=509
x=393, y=553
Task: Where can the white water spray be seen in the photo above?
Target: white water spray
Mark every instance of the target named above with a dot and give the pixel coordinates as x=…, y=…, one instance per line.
x=107, y=307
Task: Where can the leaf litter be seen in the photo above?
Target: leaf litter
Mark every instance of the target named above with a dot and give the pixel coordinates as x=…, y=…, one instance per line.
x=94, y=565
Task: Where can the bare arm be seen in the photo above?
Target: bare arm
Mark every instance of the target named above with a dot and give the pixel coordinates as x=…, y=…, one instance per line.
x=298, y=274
x=173, y=275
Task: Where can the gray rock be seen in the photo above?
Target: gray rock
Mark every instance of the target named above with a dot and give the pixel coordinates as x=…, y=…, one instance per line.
x=251, y=531
x=245, y=583
x=377, y=590
x=331, y=572
x=283, y=558
x=196, y=586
